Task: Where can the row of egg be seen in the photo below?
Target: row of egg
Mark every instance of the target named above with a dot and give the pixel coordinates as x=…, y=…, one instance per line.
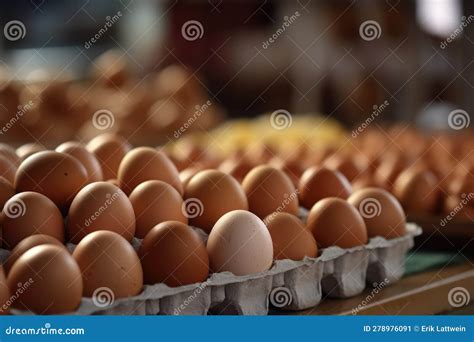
x=428, y=176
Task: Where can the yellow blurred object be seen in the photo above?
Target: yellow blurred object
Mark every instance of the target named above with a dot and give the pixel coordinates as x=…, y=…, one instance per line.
x=310, y=131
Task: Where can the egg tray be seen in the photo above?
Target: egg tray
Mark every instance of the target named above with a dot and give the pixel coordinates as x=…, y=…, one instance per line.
x=288, y=285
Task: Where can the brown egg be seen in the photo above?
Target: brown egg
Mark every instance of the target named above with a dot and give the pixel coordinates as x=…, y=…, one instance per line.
x=9, y=153
x=209, y=195
x=292, y=167
x=53, y=277
x=317, y=183
x=388, y=171
x=28, y=243
x=351, y=168
x=146, y=163
x=106, y=259
x=461, y=185
x=155, y=202
x=109, y=150
x=382, y=213
x=100, y=206
x=458, y=208
x=88, y=159
x=237, y=167
x=29, y=149
x=6, y=191
x=335, y=222
x=29, y=213
x=7, y=169
x=417, y=190
x=365, y=181
x=291, y=239
x=186, y=175
x=174, y=254
x=5, y=298
x=240, y=243
x=269, y=190
x=56, y=175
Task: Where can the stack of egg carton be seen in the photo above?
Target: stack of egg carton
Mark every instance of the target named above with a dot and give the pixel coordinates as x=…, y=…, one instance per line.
x=288, y=285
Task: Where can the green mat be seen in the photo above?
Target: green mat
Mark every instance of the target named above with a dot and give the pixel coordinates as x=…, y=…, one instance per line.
x=418, y=262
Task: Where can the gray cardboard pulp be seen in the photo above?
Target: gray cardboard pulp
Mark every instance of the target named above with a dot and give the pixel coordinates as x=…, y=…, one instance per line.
x=288, y=285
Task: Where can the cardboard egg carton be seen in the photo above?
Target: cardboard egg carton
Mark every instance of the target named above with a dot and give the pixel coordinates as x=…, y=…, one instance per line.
x=288, y=285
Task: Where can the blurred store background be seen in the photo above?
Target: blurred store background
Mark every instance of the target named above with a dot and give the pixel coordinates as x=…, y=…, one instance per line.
x=343, y=59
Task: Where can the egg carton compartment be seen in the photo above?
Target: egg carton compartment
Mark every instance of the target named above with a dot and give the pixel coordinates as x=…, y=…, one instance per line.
x=288, y=285
x=387, y=257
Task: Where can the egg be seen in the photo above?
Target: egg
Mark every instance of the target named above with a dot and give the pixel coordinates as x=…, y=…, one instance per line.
x=28, y=243
x=388, y=171
x=26, y=150
x=188, y=173
x=365, y=181
x=417, y=191
x=9, y=153
x=174, y=254
x=461, y=185
x=240, y=243
x=335, y=222
x=88, y=159
x=56, y=175
x=291, y=240
x=460, y=208
x=29, y=213
x=156, y=202
x=292, y=167
x=350, y=167
x=100, y=206
x=109, y=150
x=6, y=191
x=4, y=294
x=268, y=190
x=7, y=169
x=146, y=163
x=317, y=183
x=382, y=213
x=237, y=167
x=209, y=195
x=54, y=278
x=106, y=259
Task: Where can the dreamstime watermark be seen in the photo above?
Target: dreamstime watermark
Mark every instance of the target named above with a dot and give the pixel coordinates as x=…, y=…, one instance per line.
x=192, y=297
x=192, y=208
x=458, y=31
x=21, y=287
x=465, y=199
x=286, y=201
x=377, y=287
x=458, y=297
x=459, y=119
x=110, y=21
x=288, y=20
x=370, y=208
x=14, y=208
x=370, y=30
x=14, y=30
x=110, y=198
x=103, y=297
x=103, y=119
x=281, y=119
x=199, y=110
x=192, y=30
x=45, y=330
x=22, y=110
x=280, y=297
x=377, y=110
